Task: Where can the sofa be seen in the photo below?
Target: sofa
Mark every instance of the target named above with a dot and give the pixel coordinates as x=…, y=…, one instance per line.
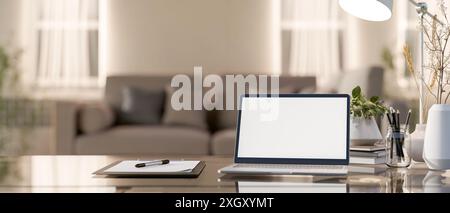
x=78, y=130
x=81, y=129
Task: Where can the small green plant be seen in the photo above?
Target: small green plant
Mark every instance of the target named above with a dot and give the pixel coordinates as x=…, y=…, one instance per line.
x=360, y=106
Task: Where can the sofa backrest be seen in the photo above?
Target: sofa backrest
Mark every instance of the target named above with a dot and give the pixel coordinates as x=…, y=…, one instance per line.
x=370, y=79
x=115, y=85
x=217, y=120
x=226, y=119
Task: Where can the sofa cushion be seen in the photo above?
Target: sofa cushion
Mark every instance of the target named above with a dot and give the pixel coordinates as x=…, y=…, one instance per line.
x=145, y=140
x=226, y=119
x=115, y=85
x=95, y=118
x=141, y=106
x=223, y=142
x=217, y=120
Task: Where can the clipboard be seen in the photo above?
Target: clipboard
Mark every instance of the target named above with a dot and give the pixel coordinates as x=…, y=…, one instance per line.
x=194, y=173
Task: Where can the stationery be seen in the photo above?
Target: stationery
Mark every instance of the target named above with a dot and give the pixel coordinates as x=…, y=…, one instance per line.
x=397, y=134
x=367, y=160
x=152, y=163
x=361, y=169
x=367, y=148
x=368, y=154
x=153, y=168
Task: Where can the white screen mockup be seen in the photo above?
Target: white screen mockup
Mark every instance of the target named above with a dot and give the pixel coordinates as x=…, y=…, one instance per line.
x=293, y=128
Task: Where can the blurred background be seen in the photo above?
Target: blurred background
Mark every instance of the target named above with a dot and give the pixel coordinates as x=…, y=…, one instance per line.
x=64, y=65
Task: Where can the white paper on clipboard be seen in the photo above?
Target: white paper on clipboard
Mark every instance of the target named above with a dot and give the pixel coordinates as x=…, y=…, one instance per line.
x=129, y=166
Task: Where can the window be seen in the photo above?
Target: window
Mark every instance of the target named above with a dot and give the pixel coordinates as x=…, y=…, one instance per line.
x=311, y=36
x=408, y=31
x=66, y=43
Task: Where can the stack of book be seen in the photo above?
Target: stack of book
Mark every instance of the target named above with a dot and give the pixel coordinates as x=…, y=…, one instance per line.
x=367, y=155
x=364, y=158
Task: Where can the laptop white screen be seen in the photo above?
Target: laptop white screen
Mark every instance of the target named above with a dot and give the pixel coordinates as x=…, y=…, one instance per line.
x=293, y=128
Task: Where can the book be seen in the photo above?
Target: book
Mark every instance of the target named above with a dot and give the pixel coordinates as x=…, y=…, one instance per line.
x=365, y=169
x=367, y=148
x=367, y=160
x=368, y=154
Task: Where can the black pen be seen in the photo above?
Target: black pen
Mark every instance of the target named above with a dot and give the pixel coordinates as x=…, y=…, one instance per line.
x=389, y=118
x=152, y=163
x=398, y=120
x=408, y=117
x=394, y=120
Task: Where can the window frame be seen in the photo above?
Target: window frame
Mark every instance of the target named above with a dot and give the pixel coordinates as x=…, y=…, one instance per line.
x=39, y=25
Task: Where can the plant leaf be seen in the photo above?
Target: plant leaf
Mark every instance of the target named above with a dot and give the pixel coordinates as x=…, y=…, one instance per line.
x=362, y=107
x=374, y=99
x=356, y=92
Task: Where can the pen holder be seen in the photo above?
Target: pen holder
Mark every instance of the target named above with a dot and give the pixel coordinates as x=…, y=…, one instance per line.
x=397, y=142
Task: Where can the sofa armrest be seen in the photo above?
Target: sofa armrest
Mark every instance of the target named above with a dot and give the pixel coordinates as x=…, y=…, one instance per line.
x=65, y=121
x=95, y=117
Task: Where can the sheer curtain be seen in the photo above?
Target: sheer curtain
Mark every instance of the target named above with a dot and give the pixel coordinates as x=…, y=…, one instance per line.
x=67, y=43
x=314, y=37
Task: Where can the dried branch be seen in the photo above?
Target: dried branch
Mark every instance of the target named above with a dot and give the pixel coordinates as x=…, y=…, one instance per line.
x=437, y=36
x=446, y=98
x=410, y=64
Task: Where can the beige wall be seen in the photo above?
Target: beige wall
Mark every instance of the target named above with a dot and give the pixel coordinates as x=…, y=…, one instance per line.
x=173, y=36
x=150, y=36
x=364, y=41
x=9, y=20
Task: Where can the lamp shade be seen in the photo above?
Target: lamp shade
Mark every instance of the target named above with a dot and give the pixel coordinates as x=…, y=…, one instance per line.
x=370, y=10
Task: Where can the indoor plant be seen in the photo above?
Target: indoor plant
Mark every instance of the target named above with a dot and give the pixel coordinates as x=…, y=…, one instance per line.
x=18, y=114
x=435, y=80
x=364, y=129
x=418, y=136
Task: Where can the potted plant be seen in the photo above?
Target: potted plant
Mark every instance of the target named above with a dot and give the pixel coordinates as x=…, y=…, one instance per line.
x=364, y=130
x=435, y=80
x=18, y=113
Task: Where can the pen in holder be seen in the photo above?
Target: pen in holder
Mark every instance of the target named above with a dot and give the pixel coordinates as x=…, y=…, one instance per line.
x=397, y=141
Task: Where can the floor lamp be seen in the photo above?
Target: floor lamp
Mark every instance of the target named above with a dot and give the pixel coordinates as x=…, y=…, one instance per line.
x=381, y=10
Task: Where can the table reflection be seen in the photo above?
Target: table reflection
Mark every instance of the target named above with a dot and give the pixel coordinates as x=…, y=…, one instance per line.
x=436, y=182
x=287, y=187
x=11, y=171
x=49, y=170
x=74, y=174
x=392, y=180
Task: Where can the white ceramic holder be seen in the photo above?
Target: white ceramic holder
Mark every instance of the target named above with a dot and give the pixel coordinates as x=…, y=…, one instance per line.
x=416, y=146
x=436, y=151
x=364, y=132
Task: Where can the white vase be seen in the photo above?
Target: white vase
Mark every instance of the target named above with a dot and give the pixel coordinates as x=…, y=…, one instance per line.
x=416, y=146
x=436, y=150
x=434, y=182
x=364, y=132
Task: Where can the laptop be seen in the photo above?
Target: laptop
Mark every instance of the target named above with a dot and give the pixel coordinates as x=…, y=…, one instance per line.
x=294, y=134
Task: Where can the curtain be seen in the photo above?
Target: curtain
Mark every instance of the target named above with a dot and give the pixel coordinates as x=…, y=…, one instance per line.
x=63, y=42
x=314, y=39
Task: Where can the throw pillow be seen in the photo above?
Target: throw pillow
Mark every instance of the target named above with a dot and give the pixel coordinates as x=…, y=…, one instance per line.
x=140, y=106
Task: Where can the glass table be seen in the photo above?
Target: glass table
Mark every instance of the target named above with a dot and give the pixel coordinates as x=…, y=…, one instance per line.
x=74, y=174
